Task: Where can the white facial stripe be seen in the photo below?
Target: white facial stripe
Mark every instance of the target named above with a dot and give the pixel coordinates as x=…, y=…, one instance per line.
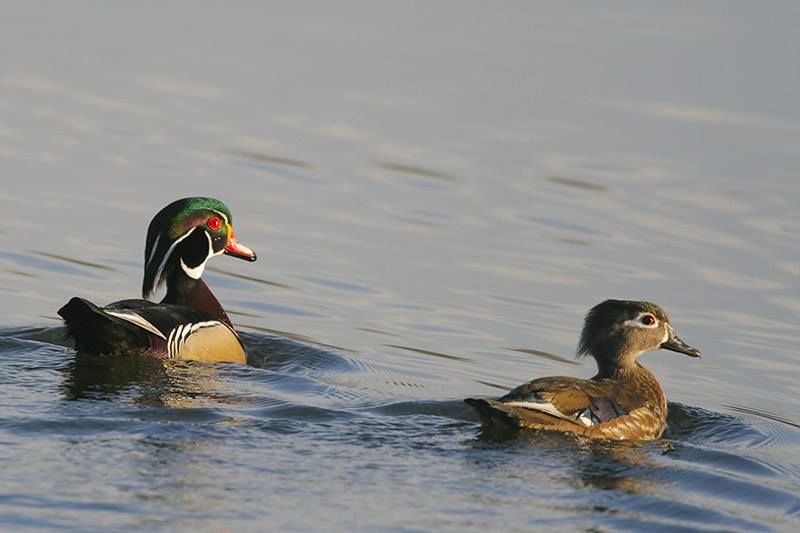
x=668, y=332
x=169, y=253
x=153, y=251
x=197, y=271
x=220, y=213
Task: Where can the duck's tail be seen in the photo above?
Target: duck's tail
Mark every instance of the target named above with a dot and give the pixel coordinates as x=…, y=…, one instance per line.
x=94, y=330
x=494, y=413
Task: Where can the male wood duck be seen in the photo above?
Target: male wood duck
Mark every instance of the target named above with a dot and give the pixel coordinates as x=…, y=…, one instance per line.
x=623, y=401
x=189, y=323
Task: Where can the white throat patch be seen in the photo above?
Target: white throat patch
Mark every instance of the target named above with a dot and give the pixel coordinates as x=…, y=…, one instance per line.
x=197, y=271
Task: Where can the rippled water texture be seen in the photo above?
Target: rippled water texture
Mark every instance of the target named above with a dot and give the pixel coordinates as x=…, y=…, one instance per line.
x=437, y=194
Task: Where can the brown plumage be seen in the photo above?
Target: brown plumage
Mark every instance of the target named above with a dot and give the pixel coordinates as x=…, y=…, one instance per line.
x=623, y=401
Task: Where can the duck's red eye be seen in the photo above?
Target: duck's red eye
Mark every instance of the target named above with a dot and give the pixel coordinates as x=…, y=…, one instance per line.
x=648, y=320
x=214, y=223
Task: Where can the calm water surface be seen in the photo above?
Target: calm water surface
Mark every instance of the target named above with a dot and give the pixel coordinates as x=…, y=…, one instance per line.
x=437, y=194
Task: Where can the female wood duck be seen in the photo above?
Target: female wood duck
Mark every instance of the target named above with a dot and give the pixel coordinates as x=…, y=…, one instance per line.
x=623, y=401
x=189, y=323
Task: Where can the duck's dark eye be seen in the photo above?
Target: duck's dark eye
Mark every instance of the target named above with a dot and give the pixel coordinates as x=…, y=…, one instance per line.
x=648, y=320
x=214, y=223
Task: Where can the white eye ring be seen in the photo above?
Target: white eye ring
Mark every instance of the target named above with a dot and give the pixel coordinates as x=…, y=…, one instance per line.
x=641, y=321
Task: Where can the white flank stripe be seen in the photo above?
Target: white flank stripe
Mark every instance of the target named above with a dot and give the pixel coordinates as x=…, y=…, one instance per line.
x=170, y=352
x=138, y=320
x=171, y=343
x=180, y=334
x=206, y=324
x=178, y=340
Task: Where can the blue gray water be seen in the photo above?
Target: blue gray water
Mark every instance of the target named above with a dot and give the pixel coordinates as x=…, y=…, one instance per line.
x=437, y=194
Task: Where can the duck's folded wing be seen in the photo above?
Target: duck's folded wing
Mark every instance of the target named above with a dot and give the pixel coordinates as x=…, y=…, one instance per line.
x=585, y=402
x=183, y=332
x=158, y=319
x=533, y=414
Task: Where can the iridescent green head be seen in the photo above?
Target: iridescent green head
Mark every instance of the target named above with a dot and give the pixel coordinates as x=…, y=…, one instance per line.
x=616, y=332
x=186, y=234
